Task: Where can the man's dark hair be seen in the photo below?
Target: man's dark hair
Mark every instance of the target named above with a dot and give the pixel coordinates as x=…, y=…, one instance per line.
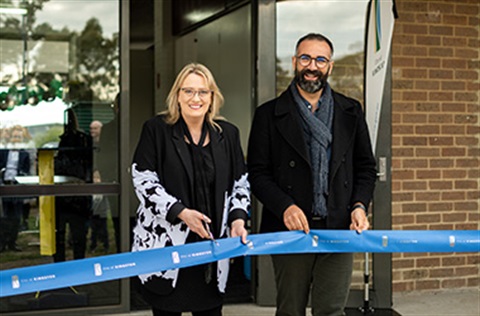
x=314, y=36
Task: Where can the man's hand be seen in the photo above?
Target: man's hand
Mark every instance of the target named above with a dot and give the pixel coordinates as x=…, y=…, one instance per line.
x=295, y=219
x=238, y=229
x=359, y=220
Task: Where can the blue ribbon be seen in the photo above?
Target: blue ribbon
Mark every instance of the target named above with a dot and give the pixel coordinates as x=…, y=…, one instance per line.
x=117, y=266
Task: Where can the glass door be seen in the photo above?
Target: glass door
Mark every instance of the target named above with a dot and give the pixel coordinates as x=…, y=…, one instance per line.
x=59, y=111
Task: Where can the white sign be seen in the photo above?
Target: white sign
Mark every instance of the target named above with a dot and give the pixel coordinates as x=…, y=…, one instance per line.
x=379, y=38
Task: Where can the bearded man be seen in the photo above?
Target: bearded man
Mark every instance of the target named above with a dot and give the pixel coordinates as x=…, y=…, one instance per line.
x=311, y=165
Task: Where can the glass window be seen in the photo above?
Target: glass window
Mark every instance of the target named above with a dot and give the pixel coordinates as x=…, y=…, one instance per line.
x=343, y=22
x=59, y=87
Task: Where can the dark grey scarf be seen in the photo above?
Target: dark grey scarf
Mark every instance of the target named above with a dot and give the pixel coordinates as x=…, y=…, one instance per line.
x=318, y=135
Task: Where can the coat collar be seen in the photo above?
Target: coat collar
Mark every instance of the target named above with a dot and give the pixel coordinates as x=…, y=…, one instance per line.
x=288, y=122
x=220, y=160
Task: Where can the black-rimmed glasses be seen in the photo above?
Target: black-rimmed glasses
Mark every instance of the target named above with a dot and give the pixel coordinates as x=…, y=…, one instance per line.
x=320, y=61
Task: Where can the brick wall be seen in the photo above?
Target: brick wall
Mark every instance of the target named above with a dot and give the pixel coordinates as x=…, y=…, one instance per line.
x=436, y=136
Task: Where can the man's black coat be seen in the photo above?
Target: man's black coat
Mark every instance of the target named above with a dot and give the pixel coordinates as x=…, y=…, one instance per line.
x=279, y=164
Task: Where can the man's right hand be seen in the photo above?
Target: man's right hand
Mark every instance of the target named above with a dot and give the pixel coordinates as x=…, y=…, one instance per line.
x=295, y=219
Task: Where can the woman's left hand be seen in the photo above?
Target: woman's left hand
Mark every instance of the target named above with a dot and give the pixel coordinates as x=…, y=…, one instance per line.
x=238, y=229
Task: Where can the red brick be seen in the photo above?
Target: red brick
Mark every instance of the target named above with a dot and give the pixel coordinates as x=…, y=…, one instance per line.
x=454, y=217
x=466, y=119
x=440, y=96
x=440, y=74
x=400, y=197
x=441, y=7
x=427, y=285
x=427, y=152
x=428, y=174
x=451, y=196
x=411, y=208
x=414, y=185
x=441, y=52
x=454, y=174
x=402, y=129
x=414, y=141
x=453, y=107
x=427, y=85
x=402, y=219
x=441, y=272
x=402, y=174
x=440, y=185
x=467, y=163
x=462, y=9
x=403, y=286
x=415, y=163
x=466, y=185
x=454, y=283
x=465, y=31
x=466, y=226
x=453, y=261
x=455, y=19
x=402, y=84
x=441, y=163
x=403, y=263
x=453, y=85
x=440, y=207
x=440, y=30
x=428, y=262
x=466, y=53
x=466, y=96
x=454, y=41
x=440, y=141
x=466, y=141
x=427, y=129
x=456, y=63
x=448, y=152
x=441, y=227
x=466, y=206
x=416, y=29
x=415, y=274
x=427, y=196
x=429, y=218
x=452, y=130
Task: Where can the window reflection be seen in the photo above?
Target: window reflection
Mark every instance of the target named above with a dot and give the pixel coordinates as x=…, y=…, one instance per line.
x=52, y=61
x=59, y=59
x=343, y=22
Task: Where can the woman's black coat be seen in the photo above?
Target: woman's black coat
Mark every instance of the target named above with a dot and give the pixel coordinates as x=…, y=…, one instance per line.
x=163, y=174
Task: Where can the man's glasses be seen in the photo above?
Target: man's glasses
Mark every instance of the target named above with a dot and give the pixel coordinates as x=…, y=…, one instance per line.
x=320, y=61
x=190, y=93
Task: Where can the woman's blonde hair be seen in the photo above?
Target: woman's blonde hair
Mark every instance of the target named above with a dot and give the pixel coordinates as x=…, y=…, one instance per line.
x=172, y=113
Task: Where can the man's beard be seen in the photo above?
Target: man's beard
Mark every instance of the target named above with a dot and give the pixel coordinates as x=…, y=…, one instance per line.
x=311, y=86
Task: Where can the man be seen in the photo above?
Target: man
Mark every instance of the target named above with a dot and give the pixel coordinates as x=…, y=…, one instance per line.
x=311, y=166
x=14, y=161
x=95, y=131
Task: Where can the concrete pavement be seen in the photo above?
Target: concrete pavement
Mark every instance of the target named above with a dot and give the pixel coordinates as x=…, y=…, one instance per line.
x=458, y=302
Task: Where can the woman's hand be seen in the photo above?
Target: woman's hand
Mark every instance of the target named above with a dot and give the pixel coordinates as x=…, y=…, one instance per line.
x=238, y=229
x=196, y=221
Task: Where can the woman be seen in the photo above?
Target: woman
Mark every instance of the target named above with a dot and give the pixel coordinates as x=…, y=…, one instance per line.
x=190, y=177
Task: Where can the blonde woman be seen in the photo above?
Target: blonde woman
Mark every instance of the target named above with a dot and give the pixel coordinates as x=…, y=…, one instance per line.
x=190, y=177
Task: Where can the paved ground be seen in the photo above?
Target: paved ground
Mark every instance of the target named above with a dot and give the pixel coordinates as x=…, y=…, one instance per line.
x=464, y=302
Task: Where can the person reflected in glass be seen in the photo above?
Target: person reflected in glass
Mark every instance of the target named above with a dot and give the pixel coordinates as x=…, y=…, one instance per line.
x=95, y=131
x=74, y=160
x=190, y=178
x=14, y=161
x=311, y=166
